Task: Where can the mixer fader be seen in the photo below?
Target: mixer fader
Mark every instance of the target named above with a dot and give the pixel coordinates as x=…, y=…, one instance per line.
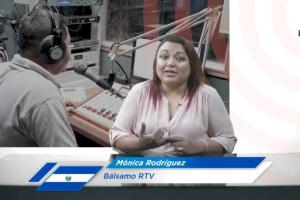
x=102, y=109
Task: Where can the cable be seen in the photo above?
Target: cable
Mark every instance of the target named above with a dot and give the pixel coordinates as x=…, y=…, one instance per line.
x=120, y=66
x=17, y=11
x=2, y=59
x=3, y=53
x=122, y=69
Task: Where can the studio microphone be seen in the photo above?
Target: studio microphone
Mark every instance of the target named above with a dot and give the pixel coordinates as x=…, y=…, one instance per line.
x=83, y=70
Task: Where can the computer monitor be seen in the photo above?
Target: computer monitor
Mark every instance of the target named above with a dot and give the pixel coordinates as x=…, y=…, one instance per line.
x=142, y=60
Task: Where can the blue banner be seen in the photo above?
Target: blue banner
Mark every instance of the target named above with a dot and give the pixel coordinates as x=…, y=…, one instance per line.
x=42, y=172
x=186, y=162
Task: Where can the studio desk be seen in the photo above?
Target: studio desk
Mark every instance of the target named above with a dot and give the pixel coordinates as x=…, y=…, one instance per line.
x=88, y=129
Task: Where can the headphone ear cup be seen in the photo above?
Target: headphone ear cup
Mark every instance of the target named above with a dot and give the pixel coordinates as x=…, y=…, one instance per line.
x=51, y=52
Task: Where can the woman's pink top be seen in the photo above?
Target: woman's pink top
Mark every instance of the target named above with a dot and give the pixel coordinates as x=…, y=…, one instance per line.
x=206, y=118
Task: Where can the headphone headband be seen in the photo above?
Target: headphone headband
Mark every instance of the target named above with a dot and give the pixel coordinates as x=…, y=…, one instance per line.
x=52, y=47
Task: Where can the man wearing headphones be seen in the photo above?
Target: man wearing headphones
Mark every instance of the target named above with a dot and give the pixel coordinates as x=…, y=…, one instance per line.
x=32, y=110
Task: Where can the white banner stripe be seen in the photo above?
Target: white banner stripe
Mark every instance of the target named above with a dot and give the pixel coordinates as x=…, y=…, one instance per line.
x=70, y=177
x=184, y=175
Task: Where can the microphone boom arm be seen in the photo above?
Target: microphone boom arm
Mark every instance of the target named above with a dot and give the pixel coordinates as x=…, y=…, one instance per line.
x=208, y=17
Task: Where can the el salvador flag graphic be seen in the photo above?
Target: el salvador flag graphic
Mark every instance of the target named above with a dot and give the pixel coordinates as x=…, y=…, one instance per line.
x=69, y=178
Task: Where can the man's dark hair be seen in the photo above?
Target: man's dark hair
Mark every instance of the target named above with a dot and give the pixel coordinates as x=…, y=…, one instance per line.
x=34, y=27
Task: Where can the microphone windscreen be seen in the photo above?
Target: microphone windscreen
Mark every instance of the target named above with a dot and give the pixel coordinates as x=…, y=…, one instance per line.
x=80, y=69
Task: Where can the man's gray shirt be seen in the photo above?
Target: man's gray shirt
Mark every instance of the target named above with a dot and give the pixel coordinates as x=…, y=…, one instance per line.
x=32, y=110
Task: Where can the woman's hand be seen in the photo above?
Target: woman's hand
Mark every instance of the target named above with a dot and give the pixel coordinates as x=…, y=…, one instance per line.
x=155, y=139
x=184, y=146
